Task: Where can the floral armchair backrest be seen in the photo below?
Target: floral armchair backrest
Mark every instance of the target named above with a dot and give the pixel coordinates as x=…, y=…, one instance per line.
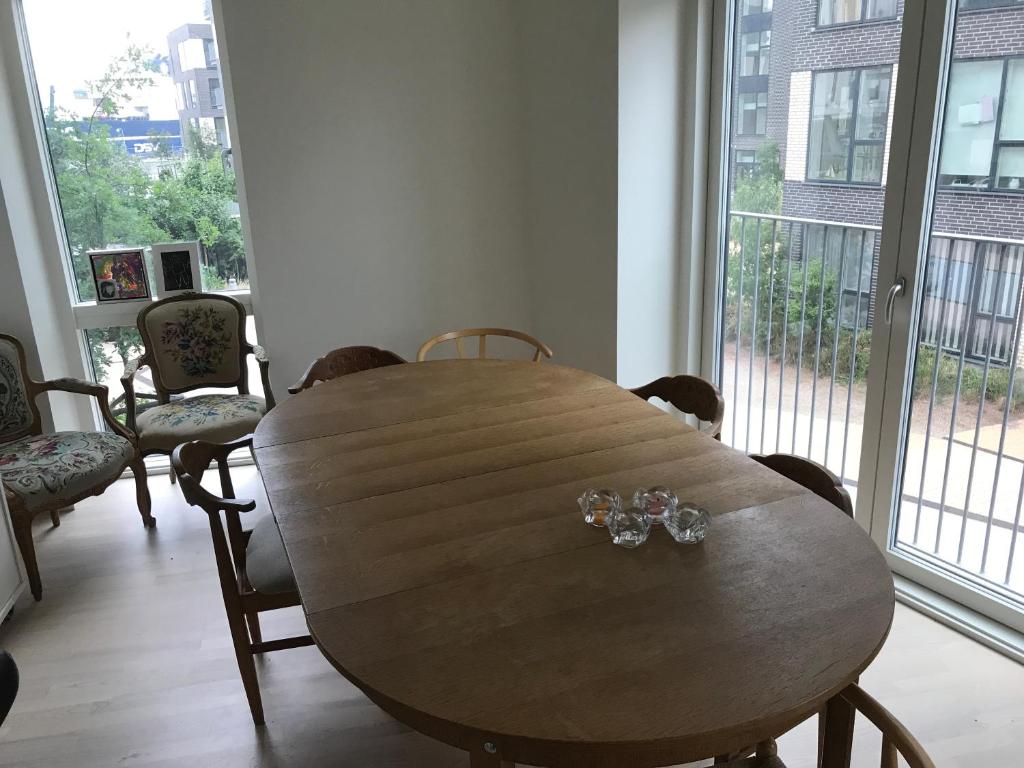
x=15, y=408
x=193, y=342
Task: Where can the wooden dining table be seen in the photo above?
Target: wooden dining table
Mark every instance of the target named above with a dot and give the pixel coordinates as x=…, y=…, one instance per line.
x=429, y=514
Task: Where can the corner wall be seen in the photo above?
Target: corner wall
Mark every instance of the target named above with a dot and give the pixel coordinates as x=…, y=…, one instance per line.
x=380, y=146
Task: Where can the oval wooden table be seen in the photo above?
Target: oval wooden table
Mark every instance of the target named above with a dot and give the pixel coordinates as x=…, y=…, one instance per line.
x=429, y=513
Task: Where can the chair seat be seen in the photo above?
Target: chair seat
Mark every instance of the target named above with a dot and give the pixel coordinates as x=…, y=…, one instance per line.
x=266, y=564
x=213, y=418
x=48, y=468
x=755, y=762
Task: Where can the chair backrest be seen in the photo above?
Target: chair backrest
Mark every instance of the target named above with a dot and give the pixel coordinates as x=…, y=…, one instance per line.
x=897, y=741
x=19, y=415
x=8, y=684
x=194, y=340
x=810, y=475
x=540, y=348
x=343, y=361
x=690, y=394
x=190, y=462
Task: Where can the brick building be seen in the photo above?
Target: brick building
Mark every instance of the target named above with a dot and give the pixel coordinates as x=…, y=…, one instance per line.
x=818, y=78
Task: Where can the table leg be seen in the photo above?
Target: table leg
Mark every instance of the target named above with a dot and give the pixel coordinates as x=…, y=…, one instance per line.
x=837, y=739
x=483, y=758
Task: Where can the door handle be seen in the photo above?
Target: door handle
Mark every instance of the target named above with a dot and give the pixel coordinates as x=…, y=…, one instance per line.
x=897, y=289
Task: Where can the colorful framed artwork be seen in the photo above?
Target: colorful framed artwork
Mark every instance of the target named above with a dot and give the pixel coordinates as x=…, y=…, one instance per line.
x=176, y=268
x=119, y=275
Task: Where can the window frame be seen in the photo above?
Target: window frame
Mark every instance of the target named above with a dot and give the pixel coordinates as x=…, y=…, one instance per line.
x=853, y=141
x=998, y=144
x=744, y=8
x=861, y=19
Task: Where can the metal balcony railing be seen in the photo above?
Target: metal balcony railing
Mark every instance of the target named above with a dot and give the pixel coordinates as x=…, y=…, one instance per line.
x=798, y=310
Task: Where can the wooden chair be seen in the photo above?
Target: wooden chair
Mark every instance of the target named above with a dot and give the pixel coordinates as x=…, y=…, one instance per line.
x=897, y=741
x=8, y=684
x=811, y=476
x=49, y=471
x=193, y=341
x=540, y=348
x=816, y=478
x=692, y=395
x=343, y=361
x=254, y=572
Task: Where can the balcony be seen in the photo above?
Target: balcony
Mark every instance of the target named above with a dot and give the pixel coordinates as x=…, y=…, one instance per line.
x=799, y=309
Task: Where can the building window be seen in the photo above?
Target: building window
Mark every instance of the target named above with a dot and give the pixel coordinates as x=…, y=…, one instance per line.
x=849, y=118
x=756, y=47
x=210, y=50
x=751, y=7
x=833, y=12
x=216, y=94
x=746, y=163
x=753, y=113
x=983, y=135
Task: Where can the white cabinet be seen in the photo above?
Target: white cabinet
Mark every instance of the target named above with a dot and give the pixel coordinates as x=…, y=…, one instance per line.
x=12, y=573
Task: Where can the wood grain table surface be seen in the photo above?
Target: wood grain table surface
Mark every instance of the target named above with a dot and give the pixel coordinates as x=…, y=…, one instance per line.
x=429, y=514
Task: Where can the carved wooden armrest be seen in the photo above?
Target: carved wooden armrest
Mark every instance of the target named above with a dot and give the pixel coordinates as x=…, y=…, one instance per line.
x=263, y=360
x=128, y=384
x=99, y=391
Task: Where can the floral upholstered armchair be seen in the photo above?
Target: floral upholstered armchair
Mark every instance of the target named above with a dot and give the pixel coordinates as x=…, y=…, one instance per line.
x=45, y=472
x=195, y=341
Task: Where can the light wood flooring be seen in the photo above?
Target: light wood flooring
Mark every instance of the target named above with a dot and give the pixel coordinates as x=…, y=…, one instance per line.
x=127, y=662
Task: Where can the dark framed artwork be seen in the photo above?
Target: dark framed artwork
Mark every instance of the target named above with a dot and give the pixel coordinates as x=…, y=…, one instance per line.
x=177, y=268
x=119, y=275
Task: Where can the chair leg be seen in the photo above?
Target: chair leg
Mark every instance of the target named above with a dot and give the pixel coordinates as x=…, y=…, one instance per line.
x=142, y=492
x=55, y=518
x=246, y=666
x=174, y=477
x=253, y=619
x=22, y=523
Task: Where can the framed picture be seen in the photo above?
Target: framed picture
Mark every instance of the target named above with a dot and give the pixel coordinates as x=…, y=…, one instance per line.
x=176, y=266
x=120, y=275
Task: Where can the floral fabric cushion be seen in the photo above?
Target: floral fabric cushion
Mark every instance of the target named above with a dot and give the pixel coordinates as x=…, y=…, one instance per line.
x=15, y=411
x=195, y=342
x=214, y=418
x=42, y=469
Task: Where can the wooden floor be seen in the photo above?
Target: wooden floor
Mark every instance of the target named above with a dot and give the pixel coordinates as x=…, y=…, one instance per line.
x=127, y=662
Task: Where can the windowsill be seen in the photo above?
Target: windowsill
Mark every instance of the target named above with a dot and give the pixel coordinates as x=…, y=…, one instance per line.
x=969, y=190
x=849, y=24
x=837, y=183
x=91, y=314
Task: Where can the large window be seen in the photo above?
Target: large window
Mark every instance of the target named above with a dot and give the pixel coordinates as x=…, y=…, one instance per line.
x=983, y=135
x=136, y=157
x=832, y=12
x=849, y=117
x=753, y=113
x=756, y=48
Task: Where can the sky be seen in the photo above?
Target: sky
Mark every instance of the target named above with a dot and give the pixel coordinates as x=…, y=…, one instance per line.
x=73, y=41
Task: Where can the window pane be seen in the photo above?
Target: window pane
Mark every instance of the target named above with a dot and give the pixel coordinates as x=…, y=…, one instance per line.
x=880, y=9
x=867, y=162
x=751, y=43
x=1012, y=121
x=969, y=129
x=831, y=118
x=1010, y=171
x=873, y=104
x=136, y=154
x=766, y=43
x=838, y=11
x=752, y=113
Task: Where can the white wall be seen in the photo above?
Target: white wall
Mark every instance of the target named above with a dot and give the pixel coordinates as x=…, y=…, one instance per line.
x=414, y=167
x=649, y=201
x=380, y=147
x=570, y=58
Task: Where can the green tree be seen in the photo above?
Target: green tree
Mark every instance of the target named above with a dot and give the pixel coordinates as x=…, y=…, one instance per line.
x=760, y=191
